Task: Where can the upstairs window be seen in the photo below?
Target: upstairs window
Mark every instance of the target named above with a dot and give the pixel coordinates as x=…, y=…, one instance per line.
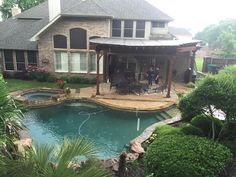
x=116, y=28
x=78, y=38
x=32, y=58
x=140, y=29
x=60, y=41
x=128, y=28
x=158, y=24
x=8, y=58
x=20, y=60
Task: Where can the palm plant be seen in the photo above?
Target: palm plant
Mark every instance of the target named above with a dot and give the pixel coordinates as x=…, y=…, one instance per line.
x=46, y=161
x=10, y=119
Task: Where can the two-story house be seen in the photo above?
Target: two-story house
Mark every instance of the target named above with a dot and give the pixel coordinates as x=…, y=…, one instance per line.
x=62, y=36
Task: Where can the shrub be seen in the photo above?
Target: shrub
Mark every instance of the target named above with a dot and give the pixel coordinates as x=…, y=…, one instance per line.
x=74, y=80
x=64, y=78
x=205, y=124
x=93, y=81
x=190, y=85
x=167, y=130
x=229, y=132
x=37, y=72
x=188, y=129
x=231, y=145
x=52, y=79
x=184, y=156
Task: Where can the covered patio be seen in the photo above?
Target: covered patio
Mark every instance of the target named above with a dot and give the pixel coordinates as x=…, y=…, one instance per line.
x=130, y=60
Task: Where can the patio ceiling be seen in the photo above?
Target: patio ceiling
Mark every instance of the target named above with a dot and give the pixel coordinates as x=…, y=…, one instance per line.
x=143, y=42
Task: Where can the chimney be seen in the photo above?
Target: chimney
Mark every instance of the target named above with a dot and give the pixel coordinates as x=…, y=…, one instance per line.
x=54, y=7
x=15, y=10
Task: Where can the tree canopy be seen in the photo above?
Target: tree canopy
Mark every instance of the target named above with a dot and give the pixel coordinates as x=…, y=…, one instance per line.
x=6, y=6
x=220, y=37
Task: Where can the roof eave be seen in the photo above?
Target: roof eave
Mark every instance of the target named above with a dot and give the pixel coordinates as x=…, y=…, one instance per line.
x=88, y=16
x=36, y=36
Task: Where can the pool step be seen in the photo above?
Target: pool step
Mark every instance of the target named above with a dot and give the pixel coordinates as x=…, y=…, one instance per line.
x=163, y=116
x=172, y=112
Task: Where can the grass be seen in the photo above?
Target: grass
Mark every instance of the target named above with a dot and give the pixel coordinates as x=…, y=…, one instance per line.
x=15, y=84
x=199, y=64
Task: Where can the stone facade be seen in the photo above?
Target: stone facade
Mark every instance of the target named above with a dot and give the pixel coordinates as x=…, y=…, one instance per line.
x=94, y=27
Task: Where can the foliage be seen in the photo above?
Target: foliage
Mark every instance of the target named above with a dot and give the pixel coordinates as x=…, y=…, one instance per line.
x=184, y=156
x=52, y=79
x=217, y=91
x=61, y=84
x=37, y=72
x=189, y=129
x=204, y=123
x=6, y=6
x=229, y=132
x=190, y=85
x=231, y=145
x=221, y=37
x=167, y=130
x=45, y=161
x=10, y=120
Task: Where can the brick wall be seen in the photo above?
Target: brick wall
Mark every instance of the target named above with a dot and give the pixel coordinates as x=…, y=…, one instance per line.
x=46, y=50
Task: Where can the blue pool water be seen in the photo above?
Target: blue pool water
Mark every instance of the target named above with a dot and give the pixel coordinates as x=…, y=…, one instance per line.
x=39, y=95
x=111, y=130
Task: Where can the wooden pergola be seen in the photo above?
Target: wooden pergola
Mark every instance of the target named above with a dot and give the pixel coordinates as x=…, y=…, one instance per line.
x=110, y=46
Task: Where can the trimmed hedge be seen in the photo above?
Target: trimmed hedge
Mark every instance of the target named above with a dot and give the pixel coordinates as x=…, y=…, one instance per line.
x=167, y=130
x=205, y=124
x=189, y=129
x=186, y=156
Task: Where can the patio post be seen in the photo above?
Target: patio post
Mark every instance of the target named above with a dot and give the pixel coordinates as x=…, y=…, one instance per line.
x=192, y=61
x=99, y=56
x=170, y=70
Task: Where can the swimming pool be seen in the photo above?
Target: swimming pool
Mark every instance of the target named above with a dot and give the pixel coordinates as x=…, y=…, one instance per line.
x=110, y=129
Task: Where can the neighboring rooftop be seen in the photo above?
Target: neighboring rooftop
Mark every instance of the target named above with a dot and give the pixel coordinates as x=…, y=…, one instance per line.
x=179, y=31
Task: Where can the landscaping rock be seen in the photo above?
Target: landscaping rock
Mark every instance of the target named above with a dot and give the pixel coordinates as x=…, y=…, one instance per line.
x=136, y=147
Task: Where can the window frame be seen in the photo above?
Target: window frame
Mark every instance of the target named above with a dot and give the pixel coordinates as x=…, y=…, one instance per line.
x=115, y=28
x=158, y=24
x=5, y=68
x=129, y=28
x=74, y=40
x=17, y=53
x=86, y=60
x=140, y=29
x=55, y=64
x=62, y=37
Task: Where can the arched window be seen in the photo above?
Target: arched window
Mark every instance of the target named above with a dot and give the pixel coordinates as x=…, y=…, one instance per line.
x=78, y=38
x=60, y=41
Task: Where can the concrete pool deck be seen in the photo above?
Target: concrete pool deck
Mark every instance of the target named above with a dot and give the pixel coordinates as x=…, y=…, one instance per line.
x=147, y=102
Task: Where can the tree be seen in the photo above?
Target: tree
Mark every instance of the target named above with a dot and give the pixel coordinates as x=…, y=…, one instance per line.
x=6, y=6
x=48, y=161
x=220, y=37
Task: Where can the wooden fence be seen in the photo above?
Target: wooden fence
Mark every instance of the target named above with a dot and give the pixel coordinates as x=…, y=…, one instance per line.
x=218, y=62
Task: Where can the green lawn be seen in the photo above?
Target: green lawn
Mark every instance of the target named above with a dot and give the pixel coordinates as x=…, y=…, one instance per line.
x=15, y=84
x=199, y=64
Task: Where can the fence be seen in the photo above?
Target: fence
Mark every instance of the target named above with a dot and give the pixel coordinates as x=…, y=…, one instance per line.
x=210, y=64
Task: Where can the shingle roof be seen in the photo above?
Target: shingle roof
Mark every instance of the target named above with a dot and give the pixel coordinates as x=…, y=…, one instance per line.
x=16, y=33
x=179, y=31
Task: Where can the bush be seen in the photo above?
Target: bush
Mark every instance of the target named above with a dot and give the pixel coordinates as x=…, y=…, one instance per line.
x=190, y=85
x=184, y=156
x=93, y=81
x=74, y=80
x=38, y=73
x=188, y=129
x=229, y=132
x=231, y=145
x=52, y=79
x=167, y=130
x=64, y=78
x=205, y=124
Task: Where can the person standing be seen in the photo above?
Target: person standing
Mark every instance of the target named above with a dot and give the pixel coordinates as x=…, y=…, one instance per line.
x=157, y=75
x=150, y=76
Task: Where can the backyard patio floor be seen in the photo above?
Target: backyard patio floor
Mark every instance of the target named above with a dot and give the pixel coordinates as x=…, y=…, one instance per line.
x=146, y=102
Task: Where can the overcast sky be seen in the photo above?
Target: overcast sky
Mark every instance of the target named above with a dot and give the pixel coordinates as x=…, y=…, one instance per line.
x=196, y=14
